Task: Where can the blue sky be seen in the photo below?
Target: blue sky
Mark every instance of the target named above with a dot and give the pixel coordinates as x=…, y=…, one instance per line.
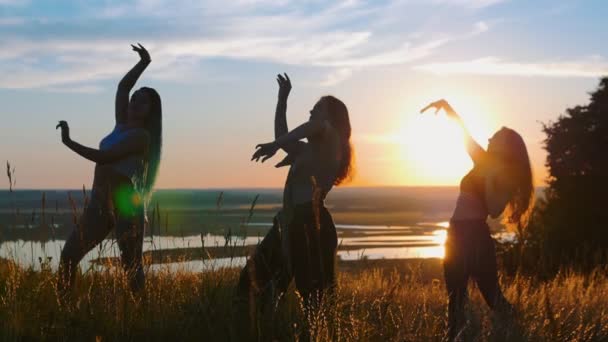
x=511, y=63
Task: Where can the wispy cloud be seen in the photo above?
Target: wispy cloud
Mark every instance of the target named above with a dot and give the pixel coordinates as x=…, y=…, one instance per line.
x=337, y=76
x=12, y=21
x=77, y=61
x=469, y=3
x=13, y=2
x=313, y=34
x=589, y=67
x=84, y=89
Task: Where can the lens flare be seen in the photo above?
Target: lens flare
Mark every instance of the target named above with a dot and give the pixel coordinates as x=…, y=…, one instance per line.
x=127, y=201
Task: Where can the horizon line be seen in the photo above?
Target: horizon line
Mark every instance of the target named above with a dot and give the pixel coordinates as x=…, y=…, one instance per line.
x=252, y=188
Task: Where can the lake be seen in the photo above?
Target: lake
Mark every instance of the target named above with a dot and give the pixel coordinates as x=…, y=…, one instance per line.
x=207, y=229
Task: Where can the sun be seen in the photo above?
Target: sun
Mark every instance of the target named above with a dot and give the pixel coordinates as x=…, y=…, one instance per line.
x=433, y=146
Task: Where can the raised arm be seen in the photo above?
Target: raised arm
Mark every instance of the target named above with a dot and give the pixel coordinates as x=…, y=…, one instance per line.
x=134, y=144
x=128, y=81
x=476, y=152
x=280, y=117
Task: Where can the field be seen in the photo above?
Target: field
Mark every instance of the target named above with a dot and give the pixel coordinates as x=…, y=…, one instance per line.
x=375, y=301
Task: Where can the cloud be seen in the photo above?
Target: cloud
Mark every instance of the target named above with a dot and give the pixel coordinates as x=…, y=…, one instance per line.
x=337, y=76
x=12, y=21
x=475, y=4
x=480, y=27
x=590, y=67
x=78, y=61
x=13, y=2
x=313, y=34
x=404, y=54
x=84, y=89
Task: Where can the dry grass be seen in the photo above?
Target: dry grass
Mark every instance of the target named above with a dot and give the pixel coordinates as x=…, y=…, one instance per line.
x=369, y=305
x=374, y=301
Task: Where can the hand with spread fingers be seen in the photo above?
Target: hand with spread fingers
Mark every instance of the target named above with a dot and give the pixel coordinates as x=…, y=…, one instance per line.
x=265, y=151
x=143, y=53
x=65, y=131
x=284, y=85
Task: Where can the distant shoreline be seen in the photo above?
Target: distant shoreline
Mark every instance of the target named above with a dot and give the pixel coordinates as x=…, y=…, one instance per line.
x=228, y=188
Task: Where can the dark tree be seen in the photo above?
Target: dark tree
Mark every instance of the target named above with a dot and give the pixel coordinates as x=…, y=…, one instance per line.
x=572, y=223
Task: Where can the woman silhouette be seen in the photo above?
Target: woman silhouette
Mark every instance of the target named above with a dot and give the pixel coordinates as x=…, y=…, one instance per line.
x=126, y=166
x=499, y=183
x=302, y=242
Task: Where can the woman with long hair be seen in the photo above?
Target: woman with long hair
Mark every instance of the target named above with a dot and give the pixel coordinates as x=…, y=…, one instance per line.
x=302, y=241
x=126, y=165
x=500, y=183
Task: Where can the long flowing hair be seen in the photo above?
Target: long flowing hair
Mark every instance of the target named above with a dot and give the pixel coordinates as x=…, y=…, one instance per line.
x=339, y=119
x=519, y=172
x=154, y=127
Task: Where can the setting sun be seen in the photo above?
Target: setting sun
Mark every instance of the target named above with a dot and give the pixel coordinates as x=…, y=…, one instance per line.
x=432, y=146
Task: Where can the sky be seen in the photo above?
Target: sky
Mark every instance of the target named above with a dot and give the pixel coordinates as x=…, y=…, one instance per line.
x=518, y=64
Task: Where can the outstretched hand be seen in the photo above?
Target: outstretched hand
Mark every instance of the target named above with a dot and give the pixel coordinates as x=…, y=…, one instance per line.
x=284, y=85
x=439, y=105
x=144, y=55
x=265, y=151
x=65, y=131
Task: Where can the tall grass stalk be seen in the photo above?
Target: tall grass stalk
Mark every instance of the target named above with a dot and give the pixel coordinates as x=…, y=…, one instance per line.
x=367, y=306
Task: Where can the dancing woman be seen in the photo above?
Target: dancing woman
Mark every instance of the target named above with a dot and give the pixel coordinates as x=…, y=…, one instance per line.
x=500, y=183
x=302, y=241
x=126, y=165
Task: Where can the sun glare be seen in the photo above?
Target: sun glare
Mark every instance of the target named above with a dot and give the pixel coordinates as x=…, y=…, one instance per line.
x=433, y=146
x=440, y=236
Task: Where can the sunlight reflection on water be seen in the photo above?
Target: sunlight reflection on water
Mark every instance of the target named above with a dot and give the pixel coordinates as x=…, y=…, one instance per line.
x=394, y=253
x=411, y=251
x=424, y=243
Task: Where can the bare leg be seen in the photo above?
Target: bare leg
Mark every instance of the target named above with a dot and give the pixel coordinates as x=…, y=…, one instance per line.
x=456, y=272
x=487, y=280
x=487, y=276
x=130, y=235
x=95, y=224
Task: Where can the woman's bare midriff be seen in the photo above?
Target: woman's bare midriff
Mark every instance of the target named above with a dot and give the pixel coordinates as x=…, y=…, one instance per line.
x=106, y=180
